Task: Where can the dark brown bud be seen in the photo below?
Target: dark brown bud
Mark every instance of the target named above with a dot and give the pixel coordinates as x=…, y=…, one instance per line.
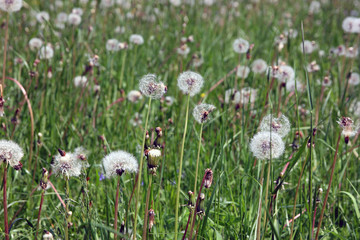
x=62, y=152
x=208, y=178
x=151, y=219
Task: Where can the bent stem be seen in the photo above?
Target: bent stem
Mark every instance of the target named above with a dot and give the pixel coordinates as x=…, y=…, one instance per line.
x=147, y=207
x=140, y=169
x=6, y=226
x=180, y=169
x=328, y=190
x=116, y=207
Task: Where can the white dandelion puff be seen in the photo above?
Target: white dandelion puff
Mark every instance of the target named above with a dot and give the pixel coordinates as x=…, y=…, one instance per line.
x=10, y=5
x=184, y=50
x=285, y=73
x=349, y=128
x=118, y=162
x=240, y=45
x=243, y=71
x=112, y=45
x=74, y=19
x=245, y=95
x=46, y=52
x=42, y=17
x=266, y=145
x=354, y=79
x=355, y=108
x=349, y=25
x=151, y=87
x=35, y=44
x=190, y=83
x=202, y=111
x=134, y=96
x=81, y=153
x=107, y=3
x=258, y=66
x=308, y=46
x=279, y=125
x=66, y=164
x=292, y=85
x=136, y=39
x=11, y=153
x=80, y=81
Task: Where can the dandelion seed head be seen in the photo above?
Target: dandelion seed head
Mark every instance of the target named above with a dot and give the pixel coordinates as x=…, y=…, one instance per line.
x=119, y=162
x=314, y=7
x=11, y=5
x=48, y=236
x=258, y=66
x=10, y=153
x=293, y=85
x=266, y=145
x=169, y=100
x=151, y=87
x=245, y=95
x=355, y=108
x=175, y=2
x=42, y=17
x=308, y=46
x=190, y=83
x=67, y=165
x=80, y=81
x=74, y=19
x=354, y=79
x=202, y=111
x=134, y=96
x=62, y=17
x=77, y=11
x=349, y=127
x=112, y=45
x=285, y=73
x=35, y=44
x=183, y=50
x=107, y=3
x=280, y=125
x=242, y=71
x=136, y=39
x=350, y=25
x=240, y=45
x=46, y=52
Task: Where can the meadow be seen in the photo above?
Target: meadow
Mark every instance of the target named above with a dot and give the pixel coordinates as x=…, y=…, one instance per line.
x=179, y=119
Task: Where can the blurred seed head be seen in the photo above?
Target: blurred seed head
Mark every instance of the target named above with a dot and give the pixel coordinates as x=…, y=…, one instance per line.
x=201, y=112
x=11, y=153
x=266, y=145
x=279, y=125
x=240, y=45
x=10, y=5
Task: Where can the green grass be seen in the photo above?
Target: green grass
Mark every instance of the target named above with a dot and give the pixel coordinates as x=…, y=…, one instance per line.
x=73, y=117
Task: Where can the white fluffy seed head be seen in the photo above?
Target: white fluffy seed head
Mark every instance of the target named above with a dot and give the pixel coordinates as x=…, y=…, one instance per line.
x=112, y=45
x=42, y=17
x=279, y=125
x=350, y=25
x=80, y=81
x=285, y=73
x=10, y=6
x=266, y=145
x=354, y=79
x=62, y=17
x=10, y=153
x=151, y=87
x=81, y=153
x=134, y=96
x=136, y=39
x=259, y=66
x=74, y=19
x=67, y=165
x=107, y=3
x=48, y=236
x=35, y=44
x=243, y=71
x=190, y=83
x=245, y=96
x=202, y=111
x=118, y=162
x=308, y=46
x=355, y=108
x=46, y=52
x=291, y=85
x=240, y=45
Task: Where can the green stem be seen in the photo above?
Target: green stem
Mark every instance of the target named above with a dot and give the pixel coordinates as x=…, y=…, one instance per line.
x=198, y=157
x=140, y=169
x=180, y=170
x=122, y=70
x=67, y=209
x=147, y=208
x=5, y=51
x=116, y=207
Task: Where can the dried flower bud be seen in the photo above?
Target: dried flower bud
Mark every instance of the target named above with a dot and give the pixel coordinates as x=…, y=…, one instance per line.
x=151, y=219
x=44, y=179
x=208, y=178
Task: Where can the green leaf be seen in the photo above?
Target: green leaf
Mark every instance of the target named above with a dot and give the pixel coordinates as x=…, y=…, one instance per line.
x=356, y=207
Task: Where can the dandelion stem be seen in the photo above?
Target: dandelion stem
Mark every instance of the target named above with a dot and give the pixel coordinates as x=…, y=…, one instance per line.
x=122, y=69
x=147, y=207
x=140, y=169
x=6, y=226
x=198, y=157
x=260, y=201
x=67, y=209
x=116, y=207
x=328, y=190
x=180, y=169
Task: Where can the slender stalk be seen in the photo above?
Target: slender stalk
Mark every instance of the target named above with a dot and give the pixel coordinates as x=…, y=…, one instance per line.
x=5, y=51
x=180, y=170
x=140, y=169
x=6, y=226
x=67, y=210
x=267, y=192
x=198, y=157
x=147, y=208
x=39, y=214
x=116, y=207
x=328, y=190
x=260, y=201
x=122, y=69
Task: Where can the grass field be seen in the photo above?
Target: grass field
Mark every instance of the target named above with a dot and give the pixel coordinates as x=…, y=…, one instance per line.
x=99, y=95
